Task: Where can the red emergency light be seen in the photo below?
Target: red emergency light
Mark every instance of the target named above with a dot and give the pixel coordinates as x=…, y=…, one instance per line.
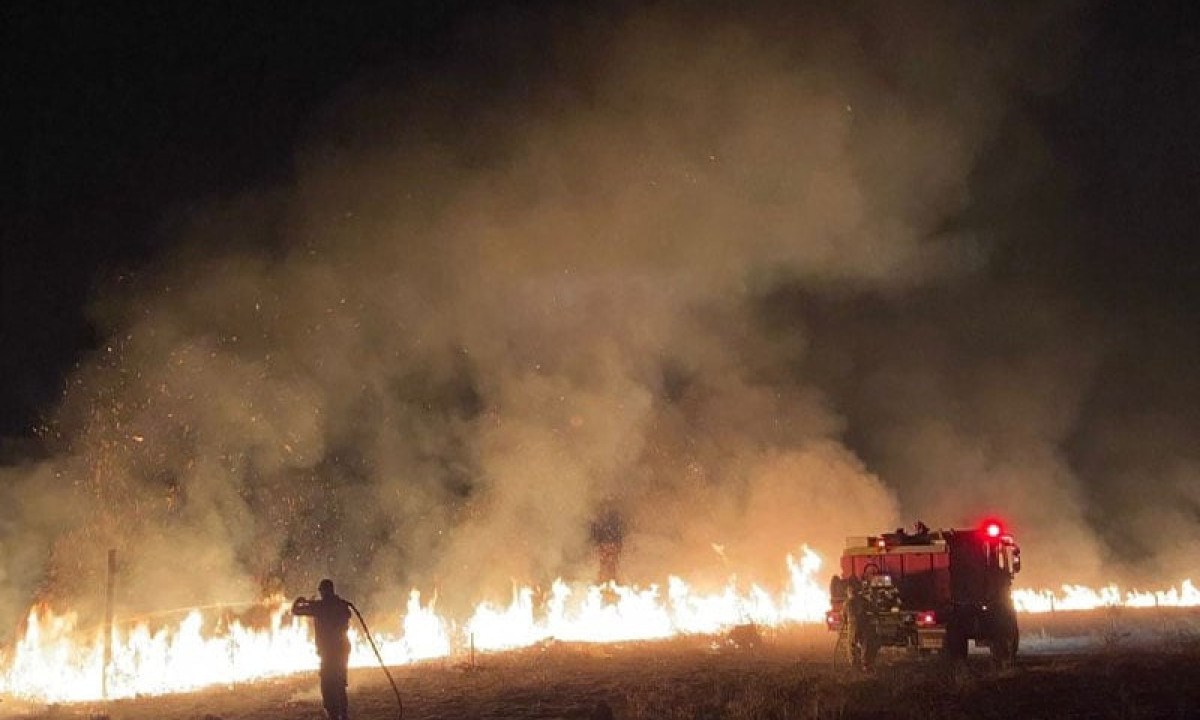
x=992, y=529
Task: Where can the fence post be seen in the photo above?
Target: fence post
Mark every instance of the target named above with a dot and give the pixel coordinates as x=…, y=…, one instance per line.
x=108, y=622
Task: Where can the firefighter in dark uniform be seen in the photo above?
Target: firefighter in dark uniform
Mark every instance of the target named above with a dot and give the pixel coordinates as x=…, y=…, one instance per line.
x=860, y=633
x=331, y=615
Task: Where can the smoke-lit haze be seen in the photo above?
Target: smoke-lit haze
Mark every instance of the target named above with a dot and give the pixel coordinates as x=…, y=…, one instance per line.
x=736, y=277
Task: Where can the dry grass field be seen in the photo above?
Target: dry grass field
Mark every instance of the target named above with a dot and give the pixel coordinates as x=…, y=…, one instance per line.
x=1137, y=665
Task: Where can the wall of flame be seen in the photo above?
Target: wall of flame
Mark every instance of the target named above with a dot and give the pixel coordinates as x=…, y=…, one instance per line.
x=55, y=660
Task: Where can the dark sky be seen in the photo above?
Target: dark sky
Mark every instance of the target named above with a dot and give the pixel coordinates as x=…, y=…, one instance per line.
x=1056, y=341
x=125, y=114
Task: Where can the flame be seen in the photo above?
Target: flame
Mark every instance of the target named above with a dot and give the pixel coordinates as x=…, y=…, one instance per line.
x=1079, y=597
x=613, y=612
x=55, y=660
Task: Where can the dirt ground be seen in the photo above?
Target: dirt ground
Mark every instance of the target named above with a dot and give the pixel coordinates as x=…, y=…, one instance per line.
x=1144, y=666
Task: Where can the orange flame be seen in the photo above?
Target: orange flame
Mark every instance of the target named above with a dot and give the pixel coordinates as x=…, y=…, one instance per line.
x=56, y=661
x=1079, y=597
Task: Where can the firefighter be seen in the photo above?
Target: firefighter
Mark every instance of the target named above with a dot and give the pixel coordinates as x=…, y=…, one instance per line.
x=331, y=615
x=860, y=633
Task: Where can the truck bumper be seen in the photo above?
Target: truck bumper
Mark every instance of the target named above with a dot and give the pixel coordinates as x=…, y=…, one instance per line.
x=931, y=638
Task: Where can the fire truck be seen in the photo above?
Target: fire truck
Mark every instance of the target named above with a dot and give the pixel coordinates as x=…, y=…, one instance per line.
x=931, y=590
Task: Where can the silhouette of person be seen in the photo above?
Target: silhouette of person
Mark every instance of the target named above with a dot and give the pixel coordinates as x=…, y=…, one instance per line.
x=860, y=632
x=331, y=615
x=606, y=535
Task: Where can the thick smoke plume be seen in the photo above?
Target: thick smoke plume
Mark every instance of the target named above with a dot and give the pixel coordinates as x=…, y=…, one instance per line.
x=723, y=275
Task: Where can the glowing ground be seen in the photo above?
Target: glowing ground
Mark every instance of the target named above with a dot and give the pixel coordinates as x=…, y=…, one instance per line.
x=1133, y=664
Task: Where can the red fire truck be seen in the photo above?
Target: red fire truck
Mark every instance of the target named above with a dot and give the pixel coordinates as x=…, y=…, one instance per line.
x=931, y=590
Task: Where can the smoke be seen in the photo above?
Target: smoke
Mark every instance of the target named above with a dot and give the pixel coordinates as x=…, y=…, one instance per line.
x=721, y=273
x=969, y=409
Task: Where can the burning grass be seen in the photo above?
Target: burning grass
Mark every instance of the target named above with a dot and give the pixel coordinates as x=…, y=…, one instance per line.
x=786, y=675
x=55, y=659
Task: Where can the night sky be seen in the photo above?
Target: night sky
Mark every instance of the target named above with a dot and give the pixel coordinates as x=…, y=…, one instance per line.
x=1078, y=191
x=126, y=114
x=123, y=115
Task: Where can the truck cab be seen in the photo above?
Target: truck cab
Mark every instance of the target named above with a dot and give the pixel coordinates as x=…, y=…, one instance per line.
x=933, y=590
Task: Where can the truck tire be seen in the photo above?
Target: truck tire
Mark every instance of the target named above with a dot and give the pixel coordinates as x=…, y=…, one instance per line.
x=1005, y=639
x=955, y=644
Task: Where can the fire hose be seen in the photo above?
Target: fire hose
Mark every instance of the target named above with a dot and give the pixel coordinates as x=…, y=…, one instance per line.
x=837, y=646
x=378, y=656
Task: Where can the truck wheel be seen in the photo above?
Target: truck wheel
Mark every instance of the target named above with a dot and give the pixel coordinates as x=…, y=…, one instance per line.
x=955, y=643
x=1003, y=644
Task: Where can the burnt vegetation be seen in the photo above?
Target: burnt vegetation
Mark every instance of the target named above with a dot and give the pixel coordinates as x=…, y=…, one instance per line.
x=786, y=677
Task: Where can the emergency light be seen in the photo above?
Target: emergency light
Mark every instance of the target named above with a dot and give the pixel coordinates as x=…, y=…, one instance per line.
x=992, y=529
